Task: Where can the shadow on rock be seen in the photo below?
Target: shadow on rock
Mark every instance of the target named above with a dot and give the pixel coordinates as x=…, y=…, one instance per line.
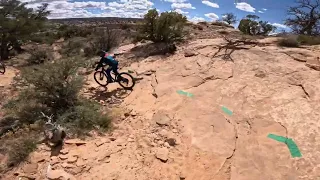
x=55, y=150
x=115, y=96
x=153, y=49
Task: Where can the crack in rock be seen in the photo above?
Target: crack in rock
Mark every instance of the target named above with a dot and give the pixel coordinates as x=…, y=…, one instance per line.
x=153, y=86
x=250, y=127
x=285, y=129
x=205, y=80
x=236, y=138
x=228, y=161
x=304, y=90
x=294, y=58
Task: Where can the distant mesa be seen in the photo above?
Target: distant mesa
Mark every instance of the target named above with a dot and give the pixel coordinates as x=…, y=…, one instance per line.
x=98, y=20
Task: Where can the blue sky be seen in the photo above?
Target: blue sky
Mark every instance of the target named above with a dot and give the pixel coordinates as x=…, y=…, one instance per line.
x=273, y=11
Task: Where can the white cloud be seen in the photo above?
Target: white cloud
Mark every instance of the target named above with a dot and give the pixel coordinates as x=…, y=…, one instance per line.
x=282, y=26
x=180, y=11
x=196, y=19
x=182, y=6
x=119, y=8
x=212, y=16
x=176, y=1
x=260, y=11
x=211, y=4
x=132, y=5
x=245, y=7
x=264, y=9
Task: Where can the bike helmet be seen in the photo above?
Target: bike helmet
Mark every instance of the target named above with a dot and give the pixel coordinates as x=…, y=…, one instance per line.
x=101, y=53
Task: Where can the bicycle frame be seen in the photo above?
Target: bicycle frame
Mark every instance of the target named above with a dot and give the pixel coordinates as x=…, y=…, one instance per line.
x=104, y=71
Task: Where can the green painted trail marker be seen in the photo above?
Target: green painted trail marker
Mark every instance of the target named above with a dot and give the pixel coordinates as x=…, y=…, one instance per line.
x=292, y=146
x=185, y=93
x=226, y=110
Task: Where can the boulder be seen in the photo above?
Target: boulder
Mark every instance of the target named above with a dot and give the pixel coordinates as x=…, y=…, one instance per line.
x=189, y=53
x=161, y=118
x=162, y=154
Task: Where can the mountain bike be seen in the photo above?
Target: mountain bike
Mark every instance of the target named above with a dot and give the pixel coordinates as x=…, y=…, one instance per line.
x=123, y=78
x=2, y=68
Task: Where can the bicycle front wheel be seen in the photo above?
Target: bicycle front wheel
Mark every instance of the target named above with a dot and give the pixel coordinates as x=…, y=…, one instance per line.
x=2, y=68
x=101, y=78
x=126, y=80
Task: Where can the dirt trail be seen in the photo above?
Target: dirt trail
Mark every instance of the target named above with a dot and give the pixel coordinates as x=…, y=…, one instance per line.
x=164, y=133
x=7, y=78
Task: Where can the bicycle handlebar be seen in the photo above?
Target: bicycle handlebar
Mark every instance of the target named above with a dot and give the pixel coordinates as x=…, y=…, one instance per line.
x=117, y=54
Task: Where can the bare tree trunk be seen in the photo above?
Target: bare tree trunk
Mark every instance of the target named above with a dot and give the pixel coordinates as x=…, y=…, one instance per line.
x=4, y=52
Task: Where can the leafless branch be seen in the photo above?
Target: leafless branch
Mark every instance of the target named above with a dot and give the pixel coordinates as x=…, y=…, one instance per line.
x=234, y=44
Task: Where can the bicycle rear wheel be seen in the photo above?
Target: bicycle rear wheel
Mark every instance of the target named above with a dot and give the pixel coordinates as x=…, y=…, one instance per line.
x=101, y=78
x=124, y=80
x=2, y=68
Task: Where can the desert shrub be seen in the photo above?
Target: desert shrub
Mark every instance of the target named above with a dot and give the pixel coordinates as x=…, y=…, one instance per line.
x=198, y=26
x=106, y=40
x=224, y=32
x=251, y=26
x=152, y=49
x=67, y=32
x=229, y=18
x=124, y=26
x=19, y=23
x=289, y=42
x=84, y=117
x=17, y=146
x=56, y=85
x=204, y=23
x=168, y=27
x=221, y=23
x=38, y=57
x=20, y=149
x=73, y=47
x=53, y=88
x=44, y=38
x=309, y=40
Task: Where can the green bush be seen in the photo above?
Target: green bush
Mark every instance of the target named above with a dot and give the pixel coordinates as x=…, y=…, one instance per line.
x=251, y=26
x=44, y=38
x=20, y=149
x=53, y=88
x=19, y=23
x=229, y=18
x=125, y=26
x=198, y=26
x=38, y=57
x=221, y=23
x=309, y=40
x=84, y=117
x=168, y=27
x=55, y=84
x=73, y=46
x=224, y=32
x=67, y=32
x=289, y=42
x=106, y=40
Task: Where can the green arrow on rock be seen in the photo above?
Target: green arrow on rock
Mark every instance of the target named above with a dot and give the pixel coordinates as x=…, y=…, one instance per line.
x=292, y=146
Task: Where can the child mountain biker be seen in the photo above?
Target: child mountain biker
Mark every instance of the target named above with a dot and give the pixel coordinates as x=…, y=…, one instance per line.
x=109, y=60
